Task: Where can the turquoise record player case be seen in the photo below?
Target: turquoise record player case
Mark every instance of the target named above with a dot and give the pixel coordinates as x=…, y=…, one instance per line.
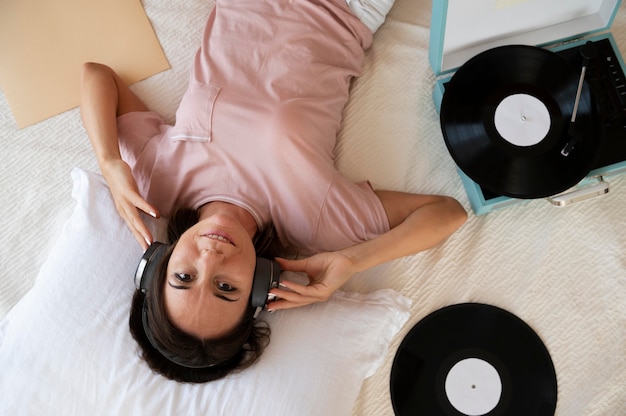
x=461, y=29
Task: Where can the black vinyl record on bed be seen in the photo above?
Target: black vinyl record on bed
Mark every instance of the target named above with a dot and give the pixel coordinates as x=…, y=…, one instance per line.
x=505, y=117
x=473, y=359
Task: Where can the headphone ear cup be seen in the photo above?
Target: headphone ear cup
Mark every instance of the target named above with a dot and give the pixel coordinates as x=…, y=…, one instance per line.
x=146, y=269
x=266, y=277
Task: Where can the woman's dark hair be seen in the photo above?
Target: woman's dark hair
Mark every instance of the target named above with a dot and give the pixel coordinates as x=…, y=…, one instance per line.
x=234, y=351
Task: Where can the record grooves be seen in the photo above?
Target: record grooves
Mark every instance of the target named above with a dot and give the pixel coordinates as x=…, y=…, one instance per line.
x=473, y=359
x=505, y=117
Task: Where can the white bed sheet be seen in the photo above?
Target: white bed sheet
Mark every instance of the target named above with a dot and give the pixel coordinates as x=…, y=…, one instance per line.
x=562, y=270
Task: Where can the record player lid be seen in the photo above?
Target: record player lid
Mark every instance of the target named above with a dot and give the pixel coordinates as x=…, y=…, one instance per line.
x=461, y=29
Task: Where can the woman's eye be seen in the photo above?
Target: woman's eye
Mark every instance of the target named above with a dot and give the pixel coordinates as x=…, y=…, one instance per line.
x=225, y=287
x=183, y=277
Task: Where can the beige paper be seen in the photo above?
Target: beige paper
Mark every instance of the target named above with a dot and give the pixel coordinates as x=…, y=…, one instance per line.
x=43, y=44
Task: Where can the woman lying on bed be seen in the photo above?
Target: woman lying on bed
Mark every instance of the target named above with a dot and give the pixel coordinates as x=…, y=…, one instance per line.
x=250, y=158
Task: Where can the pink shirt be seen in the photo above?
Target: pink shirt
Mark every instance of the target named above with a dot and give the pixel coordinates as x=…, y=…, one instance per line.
x=258, y=124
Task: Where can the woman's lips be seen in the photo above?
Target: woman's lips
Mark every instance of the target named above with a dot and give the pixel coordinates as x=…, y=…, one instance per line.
x=222, y=237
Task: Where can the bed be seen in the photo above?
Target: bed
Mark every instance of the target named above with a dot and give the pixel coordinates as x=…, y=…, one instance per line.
x=561, y=270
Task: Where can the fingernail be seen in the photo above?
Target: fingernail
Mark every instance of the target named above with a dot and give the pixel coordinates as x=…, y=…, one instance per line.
x=153, y=214
x=271, y=310
x=281, y=284
x=147, y=240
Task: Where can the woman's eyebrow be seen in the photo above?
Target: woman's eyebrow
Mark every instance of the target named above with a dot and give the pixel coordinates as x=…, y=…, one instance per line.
x=217, y=295
x=177, y=286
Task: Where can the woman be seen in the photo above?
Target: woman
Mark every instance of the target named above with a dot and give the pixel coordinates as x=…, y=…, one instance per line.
x=251, y=157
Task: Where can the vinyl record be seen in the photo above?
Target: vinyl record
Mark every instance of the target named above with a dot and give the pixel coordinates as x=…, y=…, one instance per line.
x=472, y=359
x=505, y=117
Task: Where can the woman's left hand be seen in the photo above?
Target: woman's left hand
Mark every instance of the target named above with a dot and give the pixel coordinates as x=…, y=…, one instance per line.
x=326, y=272
x=417, y=223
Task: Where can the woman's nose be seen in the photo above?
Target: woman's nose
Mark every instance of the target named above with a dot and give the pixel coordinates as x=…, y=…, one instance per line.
x=210, y=256
x=209, y=252
x=208, y=262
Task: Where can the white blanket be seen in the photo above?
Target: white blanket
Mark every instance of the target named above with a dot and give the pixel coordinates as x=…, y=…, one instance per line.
x=562, y=270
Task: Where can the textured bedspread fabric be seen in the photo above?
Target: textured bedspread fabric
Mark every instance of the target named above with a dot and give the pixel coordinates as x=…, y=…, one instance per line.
x=562, y=270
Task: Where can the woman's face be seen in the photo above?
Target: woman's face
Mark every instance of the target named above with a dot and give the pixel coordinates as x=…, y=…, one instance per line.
x=209, y=277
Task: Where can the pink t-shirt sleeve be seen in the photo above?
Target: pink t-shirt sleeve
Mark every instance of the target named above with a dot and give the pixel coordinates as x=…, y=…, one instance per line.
x=351, y=214
x=140, y=135
x=135, y=130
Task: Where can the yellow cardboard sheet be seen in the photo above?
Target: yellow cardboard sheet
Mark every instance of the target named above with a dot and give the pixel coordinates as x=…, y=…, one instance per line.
x=44, y=42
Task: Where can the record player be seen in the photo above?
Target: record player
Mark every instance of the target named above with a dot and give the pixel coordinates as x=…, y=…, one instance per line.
x=532, y=98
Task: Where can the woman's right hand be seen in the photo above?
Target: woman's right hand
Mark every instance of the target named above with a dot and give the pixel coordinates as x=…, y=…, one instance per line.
x=104, y=97
x=128, y=201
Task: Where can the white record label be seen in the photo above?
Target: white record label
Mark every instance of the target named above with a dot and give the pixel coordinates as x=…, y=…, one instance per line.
x=522, y=120
x=473, y=387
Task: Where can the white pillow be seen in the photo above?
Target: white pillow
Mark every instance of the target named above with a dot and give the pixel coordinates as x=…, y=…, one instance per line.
x=65, y=348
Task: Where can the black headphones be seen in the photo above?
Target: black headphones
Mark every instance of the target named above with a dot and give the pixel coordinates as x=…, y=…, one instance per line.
x=266, y=277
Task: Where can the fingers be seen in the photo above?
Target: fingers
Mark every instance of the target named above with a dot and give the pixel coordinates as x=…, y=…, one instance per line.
x=138, y=225
x=291, y=265
x=292, y=295
x=128, y=201
x=144, y=206
x=142, y=234
x=130, y=213
x=144, y=242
